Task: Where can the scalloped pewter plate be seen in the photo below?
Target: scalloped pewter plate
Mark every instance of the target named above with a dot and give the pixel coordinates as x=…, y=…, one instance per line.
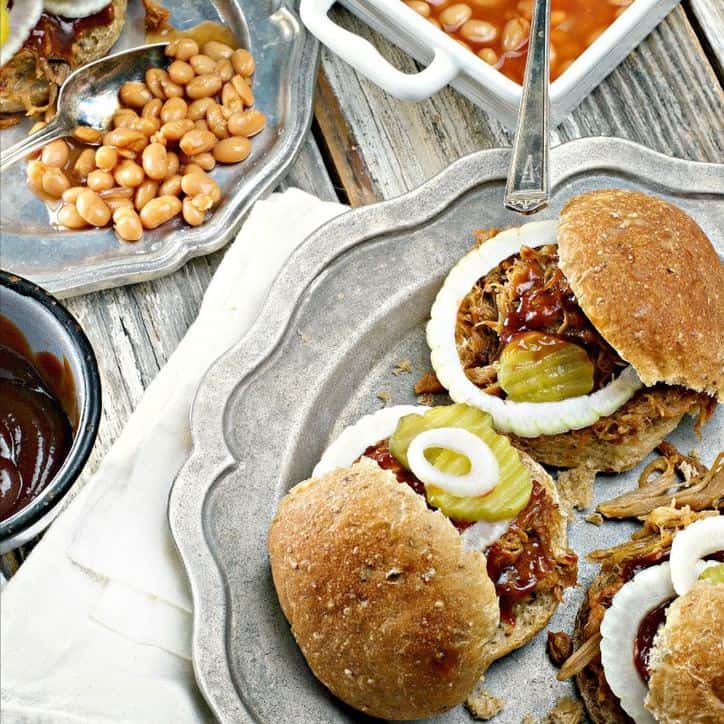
x=350, y=304
x=69, y=262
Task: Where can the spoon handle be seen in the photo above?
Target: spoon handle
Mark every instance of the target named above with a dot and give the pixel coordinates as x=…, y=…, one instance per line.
x=527, y=189
x=54, y=129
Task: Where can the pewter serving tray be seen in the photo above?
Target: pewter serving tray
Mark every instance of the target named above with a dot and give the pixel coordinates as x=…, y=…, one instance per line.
x=71, y=262
x=350, y=304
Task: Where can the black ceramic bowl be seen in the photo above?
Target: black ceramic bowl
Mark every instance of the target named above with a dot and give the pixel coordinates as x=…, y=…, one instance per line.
x=49, y=327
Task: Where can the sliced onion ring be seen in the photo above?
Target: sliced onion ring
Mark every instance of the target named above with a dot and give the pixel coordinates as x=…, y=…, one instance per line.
x=700, y=539
x=484, y=472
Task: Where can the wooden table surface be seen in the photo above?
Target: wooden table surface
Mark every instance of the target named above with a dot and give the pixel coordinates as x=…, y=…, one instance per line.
x=366, y=146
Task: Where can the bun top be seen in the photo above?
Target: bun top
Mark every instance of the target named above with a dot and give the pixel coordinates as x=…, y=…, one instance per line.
x=390, y=611
x=651, y=282
x=686, y=661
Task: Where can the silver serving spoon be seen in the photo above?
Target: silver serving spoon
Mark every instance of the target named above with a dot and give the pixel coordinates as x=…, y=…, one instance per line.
x=89, y=97
x=527, y=189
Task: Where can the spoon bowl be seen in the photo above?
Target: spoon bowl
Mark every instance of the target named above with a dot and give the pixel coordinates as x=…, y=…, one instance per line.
x=89, y=97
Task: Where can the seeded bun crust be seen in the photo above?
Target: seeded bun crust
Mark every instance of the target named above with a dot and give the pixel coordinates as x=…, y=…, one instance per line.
x=24, y=86
x=651, y=282
x=390, y=611
x=687, y=675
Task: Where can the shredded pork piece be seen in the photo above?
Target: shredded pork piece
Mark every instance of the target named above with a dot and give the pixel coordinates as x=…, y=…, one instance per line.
x=482, y=705
x=428, y=384
x=157, y=17
x=566, y=711
x=559, y=647
x=663, y=482
x=404, y=366
x=575, y=486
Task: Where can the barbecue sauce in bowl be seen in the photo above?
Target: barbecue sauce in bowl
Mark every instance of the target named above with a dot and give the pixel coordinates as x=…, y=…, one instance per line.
x=37, y=405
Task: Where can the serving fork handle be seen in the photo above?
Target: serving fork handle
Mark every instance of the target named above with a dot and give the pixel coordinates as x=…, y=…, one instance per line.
x=528, y=186
x=55, y=129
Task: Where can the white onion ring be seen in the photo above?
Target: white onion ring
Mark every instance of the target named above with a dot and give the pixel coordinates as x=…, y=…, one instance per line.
x=484, y=472
x=481, y=535
x=701, y=538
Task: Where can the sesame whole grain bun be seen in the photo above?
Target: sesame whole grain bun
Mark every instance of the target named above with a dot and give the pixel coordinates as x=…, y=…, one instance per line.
x=652, y=284
x=687, y=659
x=390, y=611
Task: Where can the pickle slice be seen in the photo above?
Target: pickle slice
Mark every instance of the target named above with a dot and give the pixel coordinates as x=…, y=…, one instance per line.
x=537, y=367
x=506, y=500
x=715, y=574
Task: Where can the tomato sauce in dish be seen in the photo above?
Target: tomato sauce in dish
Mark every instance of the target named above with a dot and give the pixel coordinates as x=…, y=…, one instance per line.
x=644, y=642
x=37, y=403
x=497, y=30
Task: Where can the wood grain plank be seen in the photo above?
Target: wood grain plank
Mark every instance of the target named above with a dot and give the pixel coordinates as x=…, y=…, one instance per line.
x=665, y=95
x=710, y=15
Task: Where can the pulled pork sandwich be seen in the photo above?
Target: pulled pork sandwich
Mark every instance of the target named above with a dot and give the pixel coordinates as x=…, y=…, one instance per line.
x=46, y=40
x=441, y=549
x=586, y=338
x=649, y=633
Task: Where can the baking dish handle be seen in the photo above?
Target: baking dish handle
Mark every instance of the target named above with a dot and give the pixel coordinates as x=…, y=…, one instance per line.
x=366, y=59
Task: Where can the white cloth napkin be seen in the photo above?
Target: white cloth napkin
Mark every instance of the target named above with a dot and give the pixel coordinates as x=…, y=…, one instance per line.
x=96, y=625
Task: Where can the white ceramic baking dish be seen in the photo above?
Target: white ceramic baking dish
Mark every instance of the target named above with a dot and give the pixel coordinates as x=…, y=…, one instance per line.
x=448, y=62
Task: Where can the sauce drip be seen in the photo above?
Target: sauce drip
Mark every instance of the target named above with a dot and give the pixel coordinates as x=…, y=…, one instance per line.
x=201, y=33
x=645, y=637
x=53, y=36
x=35, y=430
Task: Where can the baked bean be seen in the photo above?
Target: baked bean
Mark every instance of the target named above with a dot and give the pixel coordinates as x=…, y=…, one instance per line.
x=54, y=182
x=35, y=176
x=159, y=210
x=192, y=215
x=243, y=61
x=557, y=17
x=419, y=6
x=117, y=192
x=92, y=208
x=174, y=109
x=158, y=137
x=197, y=183
x=515, y=34
x=86, y=134
x=147, y=126
x=197, y=141
x=124, y=118
x=126, y=138
x=204, y=86
x=453, y=16
x=69, y=217
x=85, y=163
x=205, y=161
x=152, y=109
x=55, y=154
x=232, y=150
x=180, y=72
x=478, y=31
x=246, y=123
x=173, y=163
x=155, y=162
x=118, y=202
x=217, y=50
x=197, y=109
x=171, y=89
x=203, y=202
x=128, y=154
x=216, y=121
x=171, y=186
x=154, y=77
x=435, y=22
x=231, y=99
x=224, y=69
x=201, y=124
x=488, y=55
x=99, y=180
x=175, y=130
x=135, y=94
x=128, y=173
x=242, y=87
x=525, y=8
x=70, y=195
x=145, y=192
x=191, y=168
x=182, y=48
x=202, y=64
x=127, y=224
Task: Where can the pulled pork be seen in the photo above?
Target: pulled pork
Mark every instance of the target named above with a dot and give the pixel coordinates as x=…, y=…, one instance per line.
x=524, y=560
x=526, y=292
